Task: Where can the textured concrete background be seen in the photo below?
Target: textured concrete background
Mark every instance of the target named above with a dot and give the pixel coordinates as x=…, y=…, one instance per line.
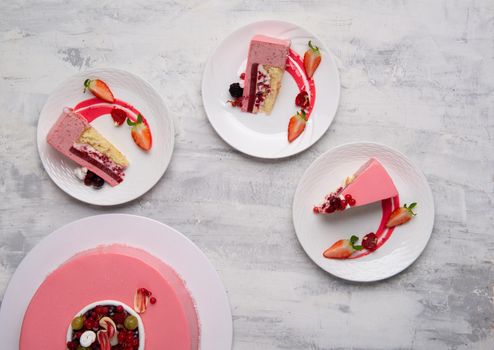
x=416, y=75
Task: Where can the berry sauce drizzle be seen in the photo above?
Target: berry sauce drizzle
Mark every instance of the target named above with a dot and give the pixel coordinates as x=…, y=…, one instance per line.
x=94, y=107
x=383, y=233
x=295, y=67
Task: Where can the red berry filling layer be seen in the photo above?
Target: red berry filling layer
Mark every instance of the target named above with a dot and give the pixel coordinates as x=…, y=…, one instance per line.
x=99, y=160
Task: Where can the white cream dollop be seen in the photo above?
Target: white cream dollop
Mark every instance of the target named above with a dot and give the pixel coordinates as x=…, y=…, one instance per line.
x=87, y=338
x=80, y=173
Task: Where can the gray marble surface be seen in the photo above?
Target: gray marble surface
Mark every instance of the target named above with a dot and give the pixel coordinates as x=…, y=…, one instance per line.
x=416, y=75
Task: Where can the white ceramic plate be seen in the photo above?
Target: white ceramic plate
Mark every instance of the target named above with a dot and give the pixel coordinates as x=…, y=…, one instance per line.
x=260, y=135
x=158, y=239
x=145, y=169
x=318, y=232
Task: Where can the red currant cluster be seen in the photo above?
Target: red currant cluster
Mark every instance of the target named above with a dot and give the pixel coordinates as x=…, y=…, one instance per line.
x=334, y=203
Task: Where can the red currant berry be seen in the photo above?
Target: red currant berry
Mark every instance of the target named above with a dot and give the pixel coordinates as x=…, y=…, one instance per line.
x=152, y=300
x=348, y=197
x=120, y=308
x=343, y=204
x=352, y=202
x=315, y=210
x=242, y=76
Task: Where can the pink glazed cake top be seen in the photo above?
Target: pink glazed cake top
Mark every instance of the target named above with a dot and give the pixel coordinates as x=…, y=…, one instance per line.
x=112, y=273
x=372, y=183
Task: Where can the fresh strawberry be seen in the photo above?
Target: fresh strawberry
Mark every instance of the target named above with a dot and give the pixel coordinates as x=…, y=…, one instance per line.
x=302, y=100
x=401, y=215
x=342, y=249
x=118, y=115
x=99, y=89
x=296, y=125
x=140, y=133
x=312, y=58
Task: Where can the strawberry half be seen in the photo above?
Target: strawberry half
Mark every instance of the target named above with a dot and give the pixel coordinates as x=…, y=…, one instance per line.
x=342, y=249
x=312, y=58
x=140, y=133
x=296, y=125
x=99, y=89
x=401, y=215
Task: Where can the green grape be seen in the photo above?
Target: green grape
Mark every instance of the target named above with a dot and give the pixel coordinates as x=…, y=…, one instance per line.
x=77, y=323
x=130, y=323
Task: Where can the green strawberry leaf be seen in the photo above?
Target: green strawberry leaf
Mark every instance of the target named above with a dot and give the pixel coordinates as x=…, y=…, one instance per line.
x=130, y=122
x=354, y=239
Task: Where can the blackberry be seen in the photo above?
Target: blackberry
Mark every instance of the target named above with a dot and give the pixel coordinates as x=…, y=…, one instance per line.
x=235, y=90
x=98, y=182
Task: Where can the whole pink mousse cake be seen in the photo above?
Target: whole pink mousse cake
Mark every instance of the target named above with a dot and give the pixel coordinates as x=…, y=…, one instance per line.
x=266, y=64
x=113, y=272
x=76, y=139
x=371, y=183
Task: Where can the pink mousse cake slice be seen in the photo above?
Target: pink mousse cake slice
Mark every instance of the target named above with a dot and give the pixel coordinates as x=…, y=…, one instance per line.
x=76, y=139
x=371, y=183
x=265, y=67
x=113, y=272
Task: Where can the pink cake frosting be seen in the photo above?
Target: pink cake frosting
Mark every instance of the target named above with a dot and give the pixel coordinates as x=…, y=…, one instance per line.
x=112, y=272
x=371, y=183
x=263, y=50
x=63, y=137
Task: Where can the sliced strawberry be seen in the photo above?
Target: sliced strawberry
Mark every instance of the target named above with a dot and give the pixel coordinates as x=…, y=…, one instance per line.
x=99, y=89
x=340, y=250
x=401, y=215
x=118, y=115
x=296, y=125
x=140, y=133
x=312, y=58
x=302, y=99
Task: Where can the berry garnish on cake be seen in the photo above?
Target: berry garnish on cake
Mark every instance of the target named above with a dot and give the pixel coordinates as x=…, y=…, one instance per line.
x=106, y=326
x=76, y=139
x=371, y=183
